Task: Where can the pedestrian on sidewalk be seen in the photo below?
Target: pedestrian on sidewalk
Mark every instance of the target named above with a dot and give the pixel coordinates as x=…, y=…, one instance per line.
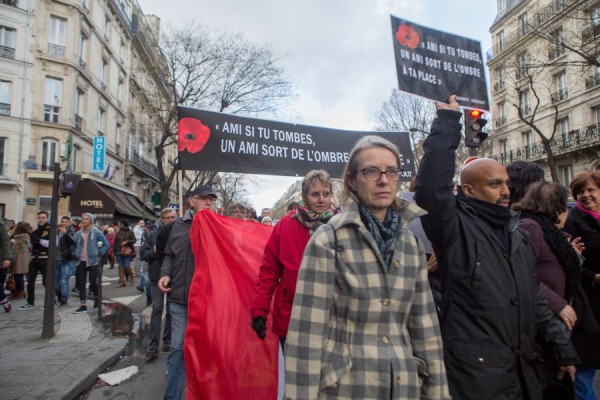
x=154, y=262
x=124, y=248
x=138, y=231
x=91, y=244
x=19, y=246
x=176, y=273
x=5, y=259
x=65, y=259
x=145, y=283
x=39, y=258
x=110, y=236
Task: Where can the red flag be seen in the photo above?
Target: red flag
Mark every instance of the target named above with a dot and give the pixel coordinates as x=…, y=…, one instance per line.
x=223, y=356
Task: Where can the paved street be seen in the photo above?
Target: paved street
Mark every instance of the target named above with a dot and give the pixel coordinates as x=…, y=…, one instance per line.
x=150, y=381
x=67, y=366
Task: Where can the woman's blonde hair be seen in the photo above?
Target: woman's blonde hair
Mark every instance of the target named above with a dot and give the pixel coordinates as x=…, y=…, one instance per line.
x=351, y=169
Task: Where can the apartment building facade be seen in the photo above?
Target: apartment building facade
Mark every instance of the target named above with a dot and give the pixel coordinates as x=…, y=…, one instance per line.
x=95, y=70
x=542, y=79
x=16, y=71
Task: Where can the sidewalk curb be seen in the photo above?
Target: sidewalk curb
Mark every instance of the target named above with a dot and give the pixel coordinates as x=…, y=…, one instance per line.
x=88, y=381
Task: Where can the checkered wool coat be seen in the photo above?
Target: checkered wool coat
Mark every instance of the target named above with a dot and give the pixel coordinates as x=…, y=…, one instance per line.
x=361, y=330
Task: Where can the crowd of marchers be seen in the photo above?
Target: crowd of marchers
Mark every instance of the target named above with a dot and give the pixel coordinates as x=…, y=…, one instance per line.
x=485, y=288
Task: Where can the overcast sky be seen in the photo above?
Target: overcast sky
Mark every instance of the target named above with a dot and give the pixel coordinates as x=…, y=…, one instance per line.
x=337, y=53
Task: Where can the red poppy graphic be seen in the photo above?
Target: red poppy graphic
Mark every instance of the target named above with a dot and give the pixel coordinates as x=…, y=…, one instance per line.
x=193, y=135
x=406, y=36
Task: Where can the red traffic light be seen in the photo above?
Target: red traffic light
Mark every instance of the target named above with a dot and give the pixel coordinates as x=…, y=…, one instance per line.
x=475, y=113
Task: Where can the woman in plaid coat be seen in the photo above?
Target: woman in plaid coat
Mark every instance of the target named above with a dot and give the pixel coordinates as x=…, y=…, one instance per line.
x=363, y=323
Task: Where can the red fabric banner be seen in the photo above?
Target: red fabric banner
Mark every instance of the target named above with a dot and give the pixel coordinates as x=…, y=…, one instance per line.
x=224, y=358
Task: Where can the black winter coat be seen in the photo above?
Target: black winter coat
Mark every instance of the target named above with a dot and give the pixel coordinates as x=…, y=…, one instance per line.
x=492, y=305
x=41, y=233
x=149, y=255
x=179, y=259
x=581, y=224
x=66, y=246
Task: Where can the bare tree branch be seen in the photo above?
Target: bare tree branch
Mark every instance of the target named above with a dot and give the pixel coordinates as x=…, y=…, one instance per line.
x=213, y=71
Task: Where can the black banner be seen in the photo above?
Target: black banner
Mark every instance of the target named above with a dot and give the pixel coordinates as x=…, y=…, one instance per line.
x=436, y=64
x=211, y=141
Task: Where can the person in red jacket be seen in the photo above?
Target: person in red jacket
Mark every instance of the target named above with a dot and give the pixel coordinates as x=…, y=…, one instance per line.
x=283, y=254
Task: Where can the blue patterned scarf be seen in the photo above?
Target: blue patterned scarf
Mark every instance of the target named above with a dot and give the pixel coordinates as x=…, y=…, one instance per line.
x=385, y=233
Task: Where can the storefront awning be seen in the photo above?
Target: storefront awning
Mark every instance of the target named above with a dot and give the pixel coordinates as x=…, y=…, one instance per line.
x=106, y=202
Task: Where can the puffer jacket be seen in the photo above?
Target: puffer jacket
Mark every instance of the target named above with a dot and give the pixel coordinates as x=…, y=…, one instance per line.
x=361, y=329
x=493, y=309
x=178, y=262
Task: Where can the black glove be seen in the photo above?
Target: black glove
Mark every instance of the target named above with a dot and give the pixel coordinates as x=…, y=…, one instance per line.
x=259, y=324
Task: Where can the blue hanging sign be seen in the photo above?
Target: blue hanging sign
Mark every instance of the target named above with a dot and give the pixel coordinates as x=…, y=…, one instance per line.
x=99, y=154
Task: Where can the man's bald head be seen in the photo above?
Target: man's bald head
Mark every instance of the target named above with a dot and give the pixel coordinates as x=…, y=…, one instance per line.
x=475, y=167
x=486, y=179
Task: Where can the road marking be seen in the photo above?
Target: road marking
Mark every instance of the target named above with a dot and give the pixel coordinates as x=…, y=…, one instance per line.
x=126, y=300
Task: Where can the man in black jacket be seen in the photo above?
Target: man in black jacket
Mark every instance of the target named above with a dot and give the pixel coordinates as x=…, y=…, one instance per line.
x=176, y=276
x=65, y=259
x=493, y=310
x=39, y=257
x=154, y=262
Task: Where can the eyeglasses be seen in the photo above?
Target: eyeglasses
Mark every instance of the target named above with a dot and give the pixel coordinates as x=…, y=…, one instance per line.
x=373, y=174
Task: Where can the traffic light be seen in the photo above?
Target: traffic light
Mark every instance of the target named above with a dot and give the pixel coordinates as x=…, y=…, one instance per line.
x=474, y=123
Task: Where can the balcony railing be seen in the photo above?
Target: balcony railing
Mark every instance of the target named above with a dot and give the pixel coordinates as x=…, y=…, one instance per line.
x=590, y=32
x=51, y=113
x=78, y=122
x=144, y=36
x=584, y=137
x=498, y=86
x=522, y=72
x=561, y=95
x=142, y=163
x=102, y=85
x=592, y=81
x=555, y=53
x=118, y=149
x=125, y=19
x=56, y=50
x=523, y=31
x=7, y=52
x=13, y=3
x=82, y=63
x=526, y=110
x=84, y=7
x=5, y=109
x=542, y=16
x=500, y=121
